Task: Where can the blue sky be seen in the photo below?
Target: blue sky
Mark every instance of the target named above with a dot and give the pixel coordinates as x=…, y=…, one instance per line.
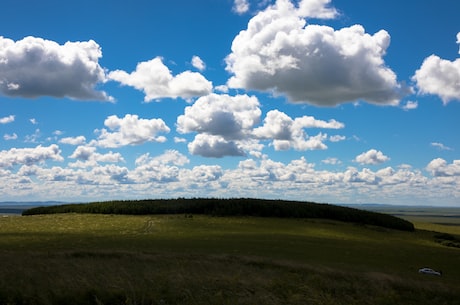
x=328, y=101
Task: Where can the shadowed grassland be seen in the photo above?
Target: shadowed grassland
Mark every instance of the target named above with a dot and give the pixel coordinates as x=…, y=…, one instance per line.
x=172, y=259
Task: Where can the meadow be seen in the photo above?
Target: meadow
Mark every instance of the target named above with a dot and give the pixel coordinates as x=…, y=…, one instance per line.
x=200, y=259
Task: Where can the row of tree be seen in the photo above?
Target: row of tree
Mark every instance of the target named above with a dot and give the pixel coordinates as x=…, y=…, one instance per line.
x=231, y=207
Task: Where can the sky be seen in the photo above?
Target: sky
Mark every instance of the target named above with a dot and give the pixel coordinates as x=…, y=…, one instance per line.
x=334, y=101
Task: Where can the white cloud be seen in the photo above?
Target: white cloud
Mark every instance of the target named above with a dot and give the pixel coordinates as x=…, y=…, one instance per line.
x=214, y=146
x=33, y=121
x=439, y=77
x=337, y=138
x=7, y=120
x=179, y=140
x=131, y=130
x=371, y=157
x=33, y=138
x=231, y=117
x=91, y=158
x=227, y=124
x=331, y=161
x=222, y=122
x=289, y=133
x=168, y=175
x=73, y=140
x=440, y=146
x=317, y=9
x=29, y=156
x=34, y=67
x=222, y=88
x=241, y=6
x=458, y=41
x=8, y=137
x=205, y=173
x=440, y=168
x=162, y=168
x=410, y=105
x=198, y=63
x=314, y=64
x=156, y=81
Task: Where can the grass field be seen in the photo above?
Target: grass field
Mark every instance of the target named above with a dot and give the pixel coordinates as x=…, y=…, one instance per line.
x=115, y=259
x=440, y=219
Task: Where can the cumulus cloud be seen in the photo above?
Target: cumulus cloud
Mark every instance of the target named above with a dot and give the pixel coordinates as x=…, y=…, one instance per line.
x=241, y=6
x=83, y=152
x=231, y=117
x=317, y=9
x=440, y=168
x=222, y=122
x=73, y=140
x=213, y=146
x=439, y=77
x=34, y=67
x=90, y=157
x=29, y=156
x=7, y=120
x=287, y=132
x=162, y=168
x=157, y=81
x=371, y=157
x=198, y=63
x=227, y=124
x=280, y=53
x=130, y=130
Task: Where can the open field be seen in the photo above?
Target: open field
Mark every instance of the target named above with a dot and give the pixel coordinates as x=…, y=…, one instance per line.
x=173, y=259
x=441, y=219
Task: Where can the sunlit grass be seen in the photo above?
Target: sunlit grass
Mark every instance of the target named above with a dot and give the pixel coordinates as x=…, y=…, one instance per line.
x=115, y=259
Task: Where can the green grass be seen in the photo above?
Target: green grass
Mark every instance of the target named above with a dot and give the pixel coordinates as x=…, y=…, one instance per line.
x=440, y=219
x=172, y=259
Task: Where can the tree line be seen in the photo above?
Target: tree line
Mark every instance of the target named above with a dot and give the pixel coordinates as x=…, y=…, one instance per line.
x=231, y=207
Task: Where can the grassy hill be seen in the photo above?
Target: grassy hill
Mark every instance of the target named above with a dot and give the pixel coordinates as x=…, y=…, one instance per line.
x=173, y=259
x=231, y=207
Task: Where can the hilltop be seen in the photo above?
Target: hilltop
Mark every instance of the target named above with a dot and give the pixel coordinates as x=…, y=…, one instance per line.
x=231, y=207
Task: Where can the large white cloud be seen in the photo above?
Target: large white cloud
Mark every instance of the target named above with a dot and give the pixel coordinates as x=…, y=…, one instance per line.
x=34, y=67
x=130, y=130
x=227, y=126
x=88, y=157
x=214, y=146
x=222, y=122
x=440, y=77
x=157, y=81
x=315, y=64
x=228, y=116
x=289, y=133
x=162, y=168
x=29, y=156
x=371, y=156
x=440, y=168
